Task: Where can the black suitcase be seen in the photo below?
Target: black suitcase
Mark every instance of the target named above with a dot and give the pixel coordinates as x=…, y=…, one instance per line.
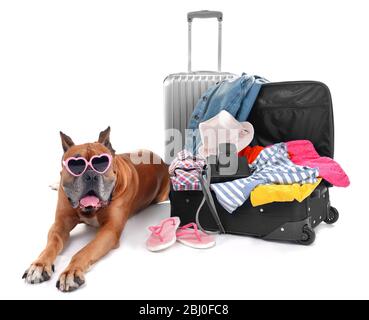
x=283, y=111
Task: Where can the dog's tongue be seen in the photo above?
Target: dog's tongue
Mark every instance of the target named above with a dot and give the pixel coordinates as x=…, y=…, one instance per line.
x=89, y=201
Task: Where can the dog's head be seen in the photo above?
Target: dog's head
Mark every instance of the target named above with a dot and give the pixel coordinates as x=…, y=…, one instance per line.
x=88, y=177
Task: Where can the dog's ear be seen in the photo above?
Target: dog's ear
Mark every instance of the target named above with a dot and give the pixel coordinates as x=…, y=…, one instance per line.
x=67, y=142
x=104, y=138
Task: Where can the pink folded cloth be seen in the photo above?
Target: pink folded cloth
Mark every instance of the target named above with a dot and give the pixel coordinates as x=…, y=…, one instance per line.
x=303, y=153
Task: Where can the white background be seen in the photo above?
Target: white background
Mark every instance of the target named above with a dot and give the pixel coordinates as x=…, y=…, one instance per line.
x=79, y=66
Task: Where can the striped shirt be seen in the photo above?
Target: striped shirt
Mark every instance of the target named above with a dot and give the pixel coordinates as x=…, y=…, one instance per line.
x=271, y=166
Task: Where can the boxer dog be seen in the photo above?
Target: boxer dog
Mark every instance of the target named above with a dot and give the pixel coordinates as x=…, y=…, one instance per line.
x=102, y=189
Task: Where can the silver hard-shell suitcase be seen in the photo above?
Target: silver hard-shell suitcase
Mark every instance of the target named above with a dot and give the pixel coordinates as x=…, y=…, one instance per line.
x=183, y=90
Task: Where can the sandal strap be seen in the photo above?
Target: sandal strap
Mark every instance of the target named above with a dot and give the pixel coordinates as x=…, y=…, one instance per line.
x=190, y=228
x=156, y=230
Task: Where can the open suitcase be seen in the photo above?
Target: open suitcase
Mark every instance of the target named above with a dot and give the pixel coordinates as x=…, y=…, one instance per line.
x=283, y=111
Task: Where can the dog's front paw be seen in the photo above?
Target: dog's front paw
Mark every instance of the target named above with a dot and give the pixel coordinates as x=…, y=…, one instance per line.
x=38, y=272
x=70, y=280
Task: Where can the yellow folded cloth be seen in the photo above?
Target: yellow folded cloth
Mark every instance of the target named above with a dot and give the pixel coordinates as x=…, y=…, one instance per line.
x=263, y=194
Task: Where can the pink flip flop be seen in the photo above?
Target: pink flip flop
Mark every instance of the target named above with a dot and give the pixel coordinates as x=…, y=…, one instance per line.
x=163, y=235
x=191, y=236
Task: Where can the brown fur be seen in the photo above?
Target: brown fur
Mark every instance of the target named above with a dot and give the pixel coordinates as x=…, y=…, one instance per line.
x=137, y=186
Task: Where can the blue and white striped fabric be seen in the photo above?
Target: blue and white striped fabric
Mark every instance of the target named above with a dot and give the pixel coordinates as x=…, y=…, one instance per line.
x=271, y=166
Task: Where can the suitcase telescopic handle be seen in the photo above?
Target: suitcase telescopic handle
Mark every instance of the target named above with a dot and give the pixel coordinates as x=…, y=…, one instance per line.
x=204, y=14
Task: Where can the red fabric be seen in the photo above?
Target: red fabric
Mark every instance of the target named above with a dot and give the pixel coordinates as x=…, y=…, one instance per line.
x=250, y=153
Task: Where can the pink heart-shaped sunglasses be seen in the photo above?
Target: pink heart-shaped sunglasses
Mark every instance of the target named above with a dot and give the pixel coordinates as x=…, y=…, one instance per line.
x=77, y=166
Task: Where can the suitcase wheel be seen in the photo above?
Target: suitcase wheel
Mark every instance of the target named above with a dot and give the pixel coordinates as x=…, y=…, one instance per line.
x=332, y=216
x=308, y=236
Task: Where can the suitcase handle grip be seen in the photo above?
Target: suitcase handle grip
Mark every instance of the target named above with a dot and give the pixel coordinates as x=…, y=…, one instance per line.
x=204, y=14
